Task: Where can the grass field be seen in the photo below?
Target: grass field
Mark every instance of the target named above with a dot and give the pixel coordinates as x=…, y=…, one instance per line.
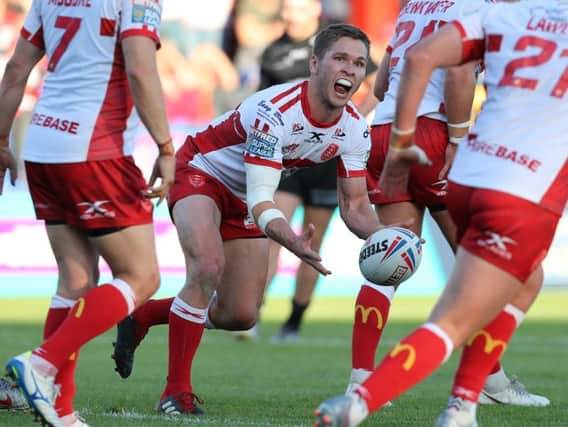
x=262, y=384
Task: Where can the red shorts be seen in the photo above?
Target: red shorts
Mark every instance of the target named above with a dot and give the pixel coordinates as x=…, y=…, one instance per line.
x=236, y=223
x=424, y=187
x=90, y=195
x=511, y=233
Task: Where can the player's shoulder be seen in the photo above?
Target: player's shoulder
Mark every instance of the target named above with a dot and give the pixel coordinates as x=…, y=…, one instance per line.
x=354, y=123
x=353, y=116
x=273, y=103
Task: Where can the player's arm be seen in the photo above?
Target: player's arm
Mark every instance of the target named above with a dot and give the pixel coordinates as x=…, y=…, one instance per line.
x=441, y=49
x=12, y=87
x=459, y=90
x=355, y=208
x=262, y=182
x=382, y=80
x=147, y=94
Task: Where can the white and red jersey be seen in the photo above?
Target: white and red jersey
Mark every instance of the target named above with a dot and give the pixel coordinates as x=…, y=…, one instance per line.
x=274, y=128
x=85, y=111
x=418, y=19
x=519, y=143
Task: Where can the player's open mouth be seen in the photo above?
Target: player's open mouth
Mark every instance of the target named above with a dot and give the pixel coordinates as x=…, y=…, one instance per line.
x=343, y=86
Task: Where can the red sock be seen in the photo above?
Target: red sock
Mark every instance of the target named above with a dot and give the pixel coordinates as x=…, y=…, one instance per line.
x=480, y=354
x=186, y=329
x=66, y=379
x=408, y=363
x=496, y=368
x=99, y=310
x=54, y=319
x=153, y=312
x=371, y=314
x=66, y=375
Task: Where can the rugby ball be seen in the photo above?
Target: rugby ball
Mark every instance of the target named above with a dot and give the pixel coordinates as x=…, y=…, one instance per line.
x=390, y=256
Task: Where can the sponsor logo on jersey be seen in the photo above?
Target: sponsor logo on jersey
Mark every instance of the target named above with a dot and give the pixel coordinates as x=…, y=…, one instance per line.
x=146, y=12
x=366, y=312
x=490, y=342
x=297, y=128
x=497, y=244
x=96, y=210
x=262, y=104
x=261, y=143
x=315, y=137
x=289, y=149
x=338, y=134
x=330, y=152
x=411, y=355
x=62, y=125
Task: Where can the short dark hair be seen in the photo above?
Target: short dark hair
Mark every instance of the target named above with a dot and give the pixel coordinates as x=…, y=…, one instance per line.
x=329, y=35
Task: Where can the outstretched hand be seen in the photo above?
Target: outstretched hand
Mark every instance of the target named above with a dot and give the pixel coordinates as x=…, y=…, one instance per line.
x=302, y=249
x=7, y=162
x=164, y=168
x=394, y=178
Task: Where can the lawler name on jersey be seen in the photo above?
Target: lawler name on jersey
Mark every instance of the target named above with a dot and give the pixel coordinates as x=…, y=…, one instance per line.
x=275, y=128
x=85, y=111
x=518, y=143
x=418, y=19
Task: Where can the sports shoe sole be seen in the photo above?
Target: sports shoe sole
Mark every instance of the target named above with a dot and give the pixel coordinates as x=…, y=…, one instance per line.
x=14, y=370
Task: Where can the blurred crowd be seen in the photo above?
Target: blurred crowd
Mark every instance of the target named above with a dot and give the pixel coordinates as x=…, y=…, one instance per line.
x=209, y=59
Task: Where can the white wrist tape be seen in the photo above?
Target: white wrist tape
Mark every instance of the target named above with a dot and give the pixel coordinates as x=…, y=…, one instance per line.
x=457, y=140
x=462, y=125
x=399, y=132
x=268, y=215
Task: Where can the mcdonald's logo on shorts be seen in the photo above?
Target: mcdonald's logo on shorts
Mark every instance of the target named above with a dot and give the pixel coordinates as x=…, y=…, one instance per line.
x=366, y=312
x=490, y=343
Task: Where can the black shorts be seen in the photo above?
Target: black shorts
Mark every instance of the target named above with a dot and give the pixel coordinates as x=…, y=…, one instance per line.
x=316, y=186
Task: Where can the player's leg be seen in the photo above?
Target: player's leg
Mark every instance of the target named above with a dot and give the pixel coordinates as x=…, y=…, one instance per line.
x=77, y=263
x=415, y=357
x=241, y=290
x=497, y=255
x=198, y=219
x=373, y=302
x=103, y=199
x=499, y=388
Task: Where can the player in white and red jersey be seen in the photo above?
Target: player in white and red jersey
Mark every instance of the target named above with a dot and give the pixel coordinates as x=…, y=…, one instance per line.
x=83, y=181
x=442, y=122
x=508, y=185
x=222, y=199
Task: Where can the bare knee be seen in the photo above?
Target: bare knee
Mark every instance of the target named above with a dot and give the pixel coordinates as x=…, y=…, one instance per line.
x=207, y=272
x=242, y=321
x=144, y=283
x=234, y=317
